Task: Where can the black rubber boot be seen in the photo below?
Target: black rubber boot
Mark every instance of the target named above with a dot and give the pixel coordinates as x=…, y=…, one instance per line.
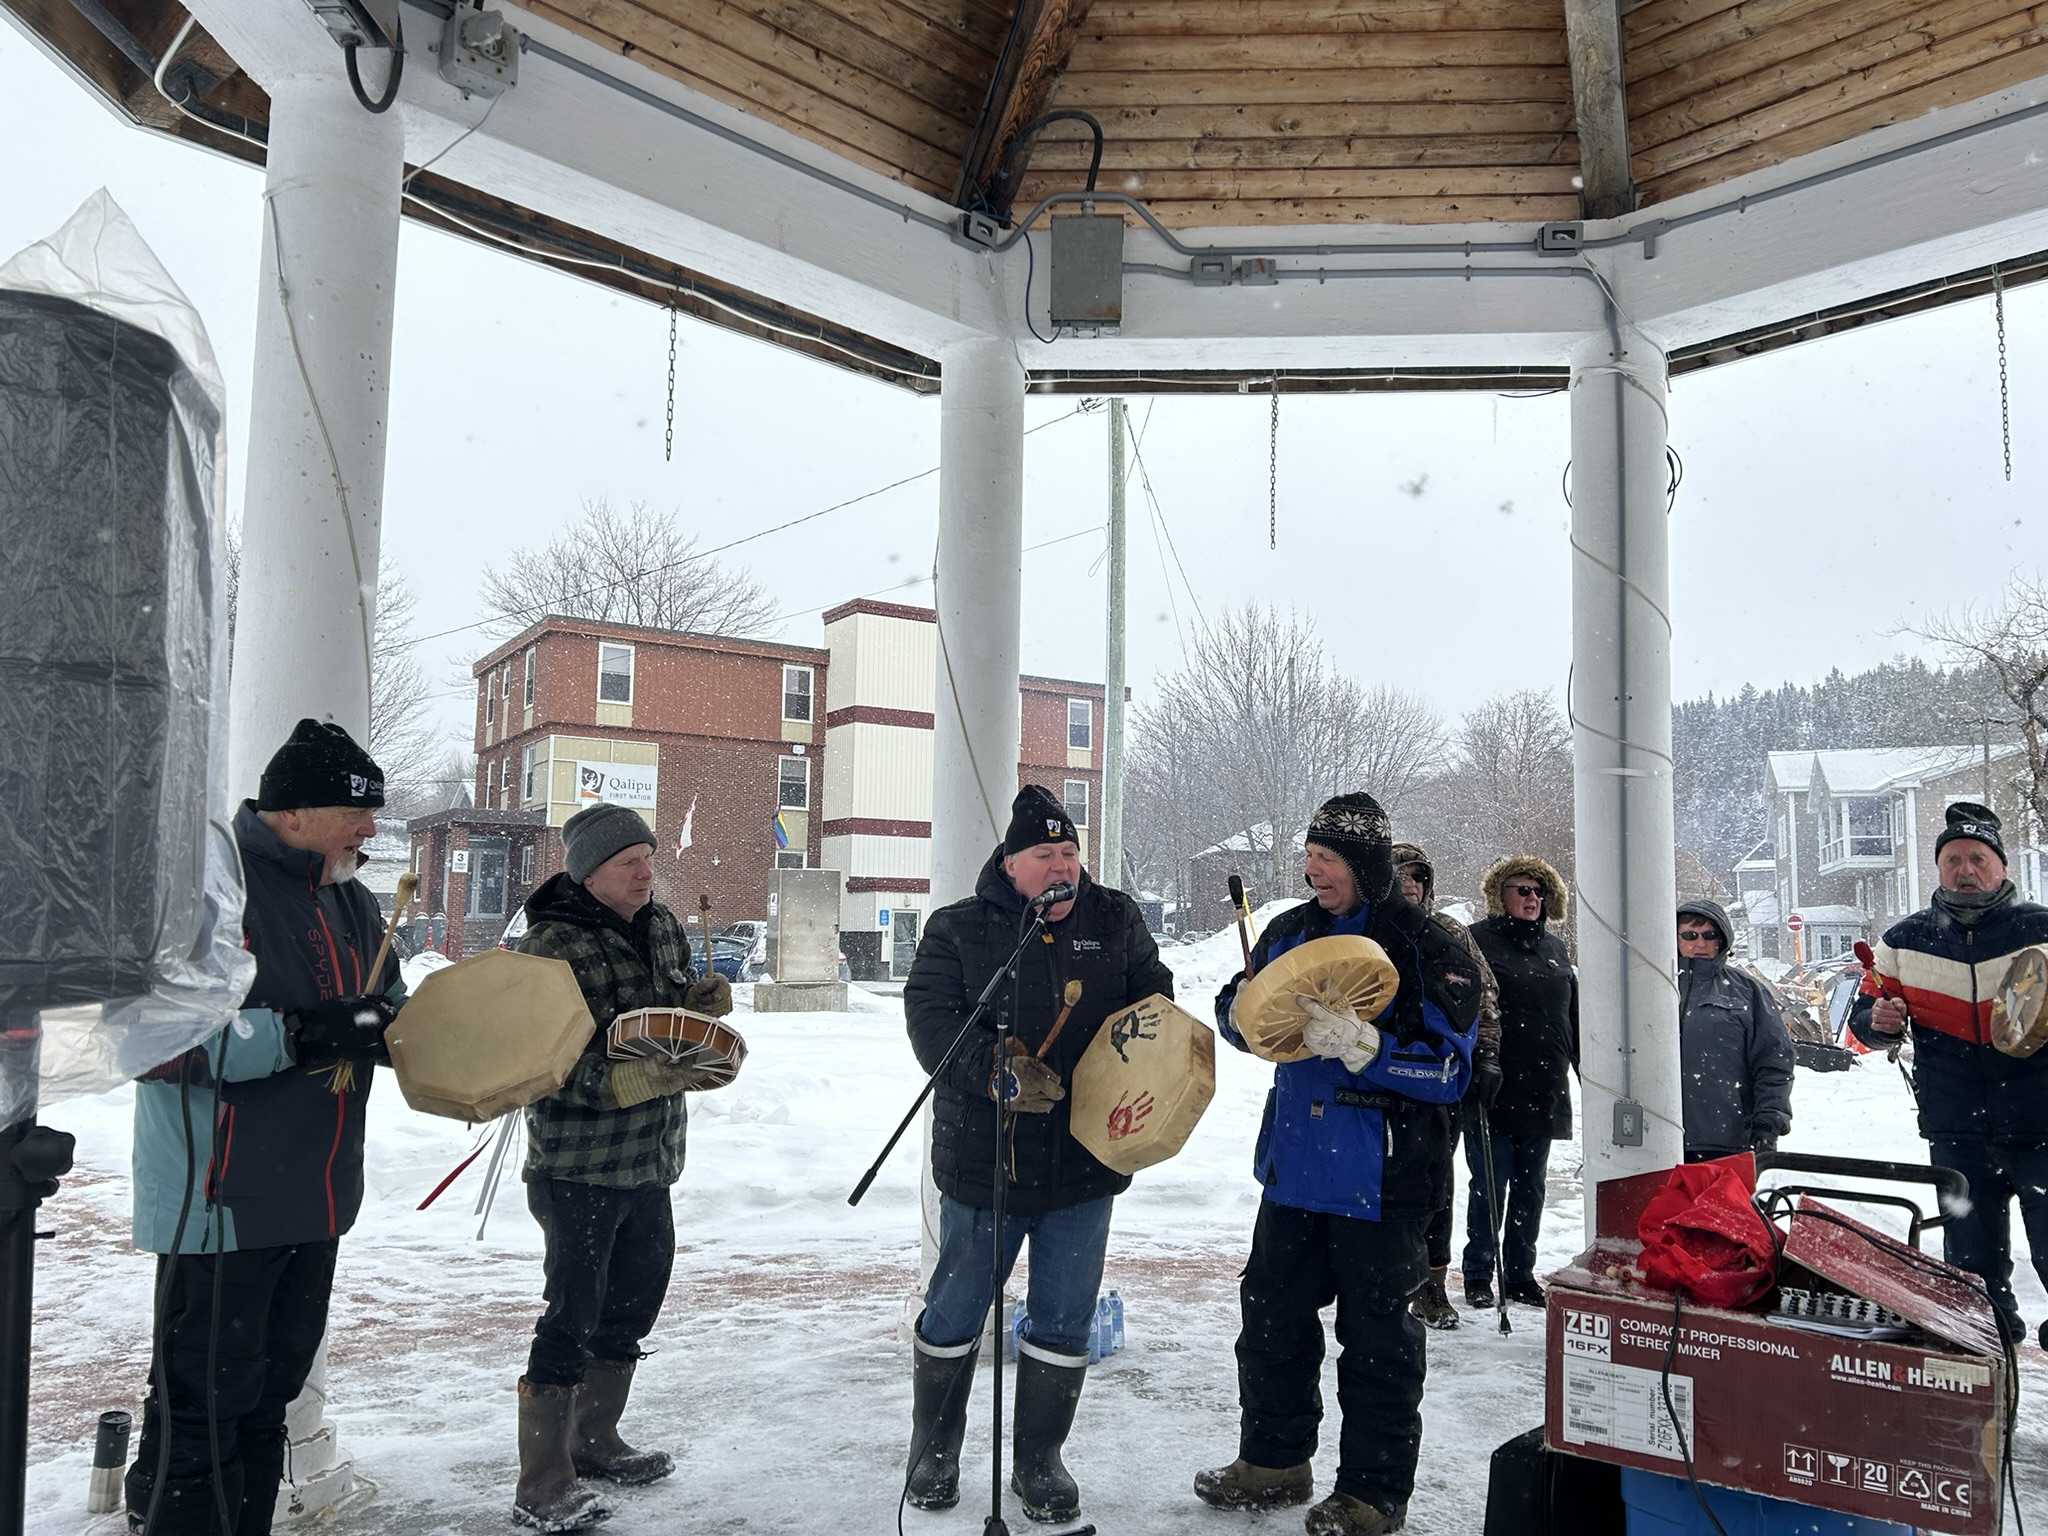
x=598, y=1450
x=548, y=1497
x=1048, y=1392
x=940, y=1382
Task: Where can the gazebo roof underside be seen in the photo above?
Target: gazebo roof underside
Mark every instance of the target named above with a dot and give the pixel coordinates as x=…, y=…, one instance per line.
x=1233, y=113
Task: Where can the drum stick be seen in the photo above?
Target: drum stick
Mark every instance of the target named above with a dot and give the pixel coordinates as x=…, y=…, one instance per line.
x=1071, y=996
x=1244, y=938
x=408, y=883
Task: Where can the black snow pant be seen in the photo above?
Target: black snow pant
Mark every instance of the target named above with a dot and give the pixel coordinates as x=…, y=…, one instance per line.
x=273, y=1311
x=609, y=1253
x=1302, y=1261
x=1440, y=1223
x=1980, y=1238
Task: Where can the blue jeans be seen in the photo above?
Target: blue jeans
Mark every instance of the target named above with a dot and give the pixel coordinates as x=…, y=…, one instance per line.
x=1066, y=1273
x=1520, y=1166
x=1980, y=1240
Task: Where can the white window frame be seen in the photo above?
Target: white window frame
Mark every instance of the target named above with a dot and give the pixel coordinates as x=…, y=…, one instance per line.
x=490, y=699
x=1067, y=788
x=782, y=777
x=505, y=782
x=528, y=689
x=809, y=689
x=529, y=758
x=632, y=667
x=526, y=863
x=1087, y=744
x=790, y=858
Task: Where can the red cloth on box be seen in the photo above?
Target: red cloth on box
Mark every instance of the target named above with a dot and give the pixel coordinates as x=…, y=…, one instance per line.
x=1703, y=1235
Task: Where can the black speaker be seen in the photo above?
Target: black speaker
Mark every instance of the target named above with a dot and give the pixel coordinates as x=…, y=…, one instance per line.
x=107, y=581
x=1532, y=1490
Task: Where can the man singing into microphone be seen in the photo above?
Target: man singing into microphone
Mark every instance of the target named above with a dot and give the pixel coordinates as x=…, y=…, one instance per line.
x=1095, y=957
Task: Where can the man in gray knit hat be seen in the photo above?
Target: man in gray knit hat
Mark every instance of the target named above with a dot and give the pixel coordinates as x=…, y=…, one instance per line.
x=601, y=1155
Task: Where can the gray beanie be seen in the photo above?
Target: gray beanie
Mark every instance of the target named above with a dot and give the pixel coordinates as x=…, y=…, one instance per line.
x=597, y=832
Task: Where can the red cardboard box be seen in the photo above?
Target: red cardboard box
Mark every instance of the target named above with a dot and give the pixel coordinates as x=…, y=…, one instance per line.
x=1907, y=1429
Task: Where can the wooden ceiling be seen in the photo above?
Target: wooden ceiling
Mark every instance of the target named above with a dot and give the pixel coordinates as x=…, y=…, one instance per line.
x=1264, y=112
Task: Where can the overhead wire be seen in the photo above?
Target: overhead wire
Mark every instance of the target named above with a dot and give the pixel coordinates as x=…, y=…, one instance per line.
x=1159, y=512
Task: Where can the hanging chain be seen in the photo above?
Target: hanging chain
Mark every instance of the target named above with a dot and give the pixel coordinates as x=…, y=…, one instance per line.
x=2004, y=396
x=668, y=442
x=1273, y=473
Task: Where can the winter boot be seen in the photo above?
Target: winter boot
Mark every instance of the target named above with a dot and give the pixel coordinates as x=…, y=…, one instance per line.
x=1342, y=1515
x=1048, y=1392
x=548, y=1497
x=940, y=1382
x=1431, y=1306
x=600, y=1399
x=1479, y=1292
x=1523, y=1293
x=1244, y=1486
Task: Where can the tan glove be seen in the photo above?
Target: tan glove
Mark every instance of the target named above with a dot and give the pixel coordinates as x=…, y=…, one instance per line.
x=709, y=995
x=1028, y=1086
x=635, y=1082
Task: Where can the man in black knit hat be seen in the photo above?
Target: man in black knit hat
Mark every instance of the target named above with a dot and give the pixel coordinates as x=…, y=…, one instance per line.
x=249, y=1149
x=1058, y=1194
x=1353, y=1161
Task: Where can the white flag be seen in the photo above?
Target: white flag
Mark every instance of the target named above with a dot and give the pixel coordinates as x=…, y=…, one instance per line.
x=683, y=836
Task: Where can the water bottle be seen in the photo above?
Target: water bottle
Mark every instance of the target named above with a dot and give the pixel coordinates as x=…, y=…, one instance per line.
x=1098, y=1334
x=1020, y=1328
x=1116, y=1322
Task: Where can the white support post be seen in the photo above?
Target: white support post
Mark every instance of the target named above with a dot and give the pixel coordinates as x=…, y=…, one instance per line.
x=979, y=599
x=313, y=504
x=1621, y=707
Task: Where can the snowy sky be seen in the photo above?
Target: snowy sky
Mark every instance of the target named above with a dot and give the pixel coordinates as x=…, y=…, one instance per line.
x=1832, y=491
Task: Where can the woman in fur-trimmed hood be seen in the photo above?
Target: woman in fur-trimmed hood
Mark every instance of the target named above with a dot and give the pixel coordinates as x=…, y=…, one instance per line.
x=1539, y=1050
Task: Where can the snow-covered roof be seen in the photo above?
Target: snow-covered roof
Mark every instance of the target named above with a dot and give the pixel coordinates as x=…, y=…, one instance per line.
x=1790, y=771
x=1256, y=839
x=1761, y=909
x=1873, y=770
x=1832, y=915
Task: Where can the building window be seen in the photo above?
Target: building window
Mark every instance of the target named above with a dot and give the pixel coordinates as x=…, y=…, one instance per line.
x=614, y=674
x=488, y=857
x=526, y=864
x=793, y=785
x=1080, y=726
x=505, y=783
x=789, y=858
x=529, y=756
x=1076, y=798
x=796, y=693
x=529, y=679
x=490, y=699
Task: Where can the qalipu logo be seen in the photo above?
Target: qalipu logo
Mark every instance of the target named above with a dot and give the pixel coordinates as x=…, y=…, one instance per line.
x=590, y=783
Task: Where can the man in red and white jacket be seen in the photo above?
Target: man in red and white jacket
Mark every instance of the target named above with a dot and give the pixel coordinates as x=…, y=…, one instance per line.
x=1983, y=1113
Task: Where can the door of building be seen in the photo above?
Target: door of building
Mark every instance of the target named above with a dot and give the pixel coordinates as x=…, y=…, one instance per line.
x=903, y=944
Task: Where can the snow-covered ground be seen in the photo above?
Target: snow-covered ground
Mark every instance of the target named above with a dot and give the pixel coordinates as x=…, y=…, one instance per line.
x=780, y=1382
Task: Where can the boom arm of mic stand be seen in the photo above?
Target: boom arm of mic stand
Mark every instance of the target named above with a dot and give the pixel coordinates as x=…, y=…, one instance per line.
x=932, y=1079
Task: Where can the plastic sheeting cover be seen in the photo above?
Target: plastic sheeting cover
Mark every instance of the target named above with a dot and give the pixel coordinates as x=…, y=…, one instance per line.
x=120, y=909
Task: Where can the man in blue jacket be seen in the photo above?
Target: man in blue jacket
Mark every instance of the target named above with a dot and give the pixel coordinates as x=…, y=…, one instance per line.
x=249, y=1151
x=1353, y=1156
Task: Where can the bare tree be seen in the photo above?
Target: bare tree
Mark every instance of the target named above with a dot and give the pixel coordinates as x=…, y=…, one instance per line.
x=1250, y=735
x=1508, y=790
x=632, y=567
x=2011, y=639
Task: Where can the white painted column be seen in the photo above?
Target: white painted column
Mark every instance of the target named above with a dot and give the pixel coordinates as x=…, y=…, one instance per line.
x=313, y=502
x=1621, y=702
x=980, y=585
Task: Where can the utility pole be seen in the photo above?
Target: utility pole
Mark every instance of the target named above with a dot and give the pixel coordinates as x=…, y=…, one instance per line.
x=1109, y=859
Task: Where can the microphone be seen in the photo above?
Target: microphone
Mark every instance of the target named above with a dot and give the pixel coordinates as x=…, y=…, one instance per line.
x=1053, y=895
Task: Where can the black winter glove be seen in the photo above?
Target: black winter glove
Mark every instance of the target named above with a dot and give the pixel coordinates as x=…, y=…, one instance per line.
x=1763, y=1141
x=343, y=1029
x=1486, y=1081
x=709, y=995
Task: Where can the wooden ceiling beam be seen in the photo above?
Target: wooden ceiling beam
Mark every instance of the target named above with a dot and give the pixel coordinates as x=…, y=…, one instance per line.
x=1024, y=81
x=1600, y=106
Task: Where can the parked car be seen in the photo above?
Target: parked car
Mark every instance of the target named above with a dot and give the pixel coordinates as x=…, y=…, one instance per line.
x=728, y=954
x=514, y=931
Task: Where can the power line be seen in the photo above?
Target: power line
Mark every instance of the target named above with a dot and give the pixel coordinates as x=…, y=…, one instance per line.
x=1145, y=479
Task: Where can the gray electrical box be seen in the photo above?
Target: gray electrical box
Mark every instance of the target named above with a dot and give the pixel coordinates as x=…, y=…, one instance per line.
x=359, y=23
x=1088, y=274
x=803, y=944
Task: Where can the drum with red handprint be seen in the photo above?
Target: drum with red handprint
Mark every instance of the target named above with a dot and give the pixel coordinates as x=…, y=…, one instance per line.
x=1142, y=1084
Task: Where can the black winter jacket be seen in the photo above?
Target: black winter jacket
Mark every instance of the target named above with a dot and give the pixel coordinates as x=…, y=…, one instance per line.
x=1735, y=1058
x=1103, y=944
x=1967, y=1090
x=1539, y=1026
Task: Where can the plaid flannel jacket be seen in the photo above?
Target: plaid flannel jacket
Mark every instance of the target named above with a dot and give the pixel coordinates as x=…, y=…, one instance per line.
x=579, y=1132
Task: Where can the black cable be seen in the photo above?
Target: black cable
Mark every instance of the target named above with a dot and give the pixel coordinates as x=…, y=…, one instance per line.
x=1031, y=272
x=1001, y=185
x=1684, y=1450
x=355, y=79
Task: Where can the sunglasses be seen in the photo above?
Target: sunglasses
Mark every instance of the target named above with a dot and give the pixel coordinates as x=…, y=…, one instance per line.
x=1691, y=935
x=1527, y=890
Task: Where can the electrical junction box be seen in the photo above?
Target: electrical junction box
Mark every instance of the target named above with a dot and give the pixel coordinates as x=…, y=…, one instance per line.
x=1088, y=274
x=1883, y=1397
x=479, y=53
x=363, y=23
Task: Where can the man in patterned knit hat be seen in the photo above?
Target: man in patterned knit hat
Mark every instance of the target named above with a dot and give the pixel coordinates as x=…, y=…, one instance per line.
x=1353, y=1162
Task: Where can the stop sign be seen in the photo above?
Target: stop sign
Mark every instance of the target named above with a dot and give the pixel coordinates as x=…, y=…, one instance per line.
x=1795, y=922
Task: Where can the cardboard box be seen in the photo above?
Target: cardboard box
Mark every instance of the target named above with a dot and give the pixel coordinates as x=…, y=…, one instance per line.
x=1905, y=1429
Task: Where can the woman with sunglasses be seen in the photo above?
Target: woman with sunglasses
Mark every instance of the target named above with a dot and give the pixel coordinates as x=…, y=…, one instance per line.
x=1539, y=1050
x=1735, y=1056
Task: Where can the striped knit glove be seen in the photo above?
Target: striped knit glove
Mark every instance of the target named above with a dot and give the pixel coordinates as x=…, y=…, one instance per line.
x=635, y=1082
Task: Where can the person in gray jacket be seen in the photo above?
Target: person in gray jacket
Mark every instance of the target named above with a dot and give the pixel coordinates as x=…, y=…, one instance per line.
x=1734, y=1052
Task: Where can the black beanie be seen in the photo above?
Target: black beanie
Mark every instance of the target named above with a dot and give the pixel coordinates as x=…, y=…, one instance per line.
x=597, y=832
x=320, y=765
x=1968, y=819
x=1355, y=829
x=1035, y=817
